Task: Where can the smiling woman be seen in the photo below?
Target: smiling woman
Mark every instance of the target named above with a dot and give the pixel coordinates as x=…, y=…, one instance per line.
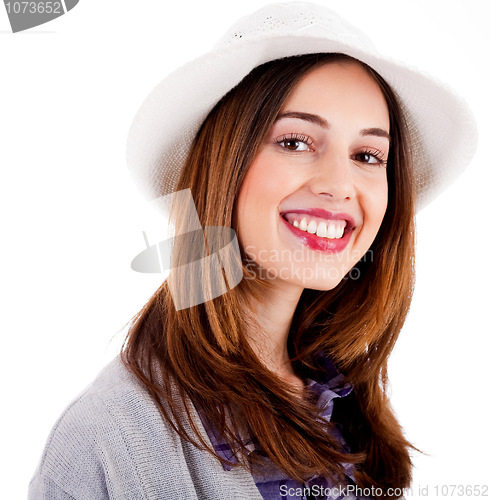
x=282, y=323
x=315, y=150
x=322, y=170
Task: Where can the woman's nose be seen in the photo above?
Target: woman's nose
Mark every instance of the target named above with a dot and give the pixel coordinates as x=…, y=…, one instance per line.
x=333, y=177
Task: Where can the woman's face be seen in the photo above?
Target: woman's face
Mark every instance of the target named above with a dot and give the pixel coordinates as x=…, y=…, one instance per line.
x=314, y=198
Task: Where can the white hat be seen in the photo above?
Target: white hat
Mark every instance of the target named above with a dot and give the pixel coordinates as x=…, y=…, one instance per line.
x=442, y=129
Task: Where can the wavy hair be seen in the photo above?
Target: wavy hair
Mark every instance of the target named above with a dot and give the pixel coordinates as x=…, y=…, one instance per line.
x=200, y=357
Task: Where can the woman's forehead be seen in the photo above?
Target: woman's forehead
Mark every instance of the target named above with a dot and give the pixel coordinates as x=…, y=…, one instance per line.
x=339, y=89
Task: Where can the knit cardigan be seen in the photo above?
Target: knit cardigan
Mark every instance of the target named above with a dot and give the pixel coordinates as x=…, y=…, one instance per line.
x=112, y=443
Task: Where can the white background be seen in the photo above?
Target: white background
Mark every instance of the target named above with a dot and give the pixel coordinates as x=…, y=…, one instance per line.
x=72, y=219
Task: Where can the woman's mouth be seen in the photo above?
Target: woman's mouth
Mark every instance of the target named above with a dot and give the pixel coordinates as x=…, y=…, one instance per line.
x=330, y=229
x=323, y=232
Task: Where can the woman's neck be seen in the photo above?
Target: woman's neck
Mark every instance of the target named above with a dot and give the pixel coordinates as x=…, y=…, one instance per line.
x=273, y=314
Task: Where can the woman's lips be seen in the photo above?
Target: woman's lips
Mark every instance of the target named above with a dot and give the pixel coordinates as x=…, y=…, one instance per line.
x=320, y=243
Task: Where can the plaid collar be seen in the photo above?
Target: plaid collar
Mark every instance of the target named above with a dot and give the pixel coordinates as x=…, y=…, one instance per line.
x=330, y=385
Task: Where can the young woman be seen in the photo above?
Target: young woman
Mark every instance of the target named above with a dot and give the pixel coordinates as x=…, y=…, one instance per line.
x=316, y=151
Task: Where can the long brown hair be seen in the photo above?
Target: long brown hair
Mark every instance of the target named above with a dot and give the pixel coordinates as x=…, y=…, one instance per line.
x=200, y=355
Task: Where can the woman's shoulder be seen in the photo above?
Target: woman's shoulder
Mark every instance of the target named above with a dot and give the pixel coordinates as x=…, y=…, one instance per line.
x=113, y=402
x=97, y=433
x=112, y=390
x=111, y=442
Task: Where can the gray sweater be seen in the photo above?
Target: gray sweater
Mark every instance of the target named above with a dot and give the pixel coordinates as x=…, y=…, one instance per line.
x=112, y=443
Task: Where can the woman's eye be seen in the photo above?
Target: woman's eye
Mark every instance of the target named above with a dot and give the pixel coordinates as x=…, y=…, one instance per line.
x=369, y=158
x=294, y=144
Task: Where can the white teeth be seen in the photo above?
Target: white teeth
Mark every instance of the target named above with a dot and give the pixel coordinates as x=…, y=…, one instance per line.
x=320, y=229
x=312, y=227
x=331, y=231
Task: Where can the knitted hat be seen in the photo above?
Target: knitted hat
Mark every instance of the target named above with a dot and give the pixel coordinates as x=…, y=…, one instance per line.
x=442, y=128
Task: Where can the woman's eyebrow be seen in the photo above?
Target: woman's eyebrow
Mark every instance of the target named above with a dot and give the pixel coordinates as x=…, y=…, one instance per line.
x=378, y=132
x=318, y=120
x=309, y=117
